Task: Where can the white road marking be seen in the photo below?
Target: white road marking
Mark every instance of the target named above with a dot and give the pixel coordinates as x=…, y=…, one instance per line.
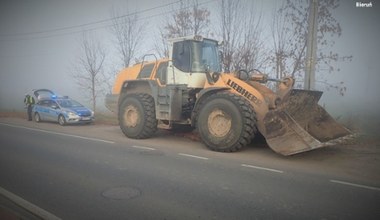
x=37, y=211
x=193, y=156
x=58, y=133
x=355, y=185
x=262, y=168
x=143, y=148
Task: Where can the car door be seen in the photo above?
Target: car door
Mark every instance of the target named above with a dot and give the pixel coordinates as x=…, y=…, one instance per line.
x=53, y=111
x=42, y=109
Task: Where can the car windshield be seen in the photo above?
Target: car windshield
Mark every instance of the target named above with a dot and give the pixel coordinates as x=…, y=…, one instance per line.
x=68, y=103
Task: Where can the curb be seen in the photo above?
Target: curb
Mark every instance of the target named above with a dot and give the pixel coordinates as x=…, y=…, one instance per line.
x=27, y=206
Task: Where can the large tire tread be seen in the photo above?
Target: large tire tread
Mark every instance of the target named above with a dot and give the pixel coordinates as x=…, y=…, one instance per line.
x=149, y=114
x=248, y=117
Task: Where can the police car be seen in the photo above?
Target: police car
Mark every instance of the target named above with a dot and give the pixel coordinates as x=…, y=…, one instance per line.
x=62, y=110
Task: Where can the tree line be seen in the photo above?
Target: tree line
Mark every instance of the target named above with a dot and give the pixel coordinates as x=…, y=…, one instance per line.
x=278, y=48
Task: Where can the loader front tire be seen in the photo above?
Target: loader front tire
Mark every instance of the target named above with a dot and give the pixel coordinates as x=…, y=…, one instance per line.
x=226, y=122
x=137, y=117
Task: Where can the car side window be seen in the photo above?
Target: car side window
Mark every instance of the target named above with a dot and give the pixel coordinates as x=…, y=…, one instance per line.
x=45, y=103
x=52, y=103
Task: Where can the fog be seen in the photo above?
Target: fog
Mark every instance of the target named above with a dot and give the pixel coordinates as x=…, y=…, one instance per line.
x=31, y=61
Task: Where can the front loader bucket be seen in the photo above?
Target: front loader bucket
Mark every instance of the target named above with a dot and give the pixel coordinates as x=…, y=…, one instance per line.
x=300, y=124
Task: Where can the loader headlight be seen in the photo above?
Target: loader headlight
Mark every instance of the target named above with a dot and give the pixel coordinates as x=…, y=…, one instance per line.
x=198, y=38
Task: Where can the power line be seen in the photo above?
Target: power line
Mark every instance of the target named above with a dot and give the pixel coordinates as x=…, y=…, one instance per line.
x=89, y=23
x=96, y=22
x=93, y=23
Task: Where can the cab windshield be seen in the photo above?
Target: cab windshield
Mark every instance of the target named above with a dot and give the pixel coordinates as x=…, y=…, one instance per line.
x=196, y=56
x=205, y=56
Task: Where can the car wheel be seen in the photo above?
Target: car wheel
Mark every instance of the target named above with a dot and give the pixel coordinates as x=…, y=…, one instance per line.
x=37, y=117
x=61, y=120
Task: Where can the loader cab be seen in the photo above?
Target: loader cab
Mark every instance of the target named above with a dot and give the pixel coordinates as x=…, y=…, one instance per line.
x=190, y=58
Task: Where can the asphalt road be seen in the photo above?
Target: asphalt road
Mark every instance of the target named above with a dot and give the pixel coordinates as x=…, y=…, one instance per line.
x=91, y=172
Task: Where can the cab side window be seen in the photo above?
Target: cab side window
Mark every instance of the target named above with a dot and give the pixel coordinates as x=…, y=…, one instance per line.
x=181, y=55
x=146, y=71
x=161, y=72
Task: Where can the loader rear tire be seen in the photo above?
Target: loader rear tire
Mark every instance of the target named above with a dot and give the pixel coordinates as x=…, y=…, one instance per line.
x=137, y=116
x=226, y=122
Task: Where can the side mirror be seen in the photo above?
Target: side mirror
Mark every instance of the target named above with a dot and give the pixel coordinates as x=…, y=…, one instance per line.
x=207, y=68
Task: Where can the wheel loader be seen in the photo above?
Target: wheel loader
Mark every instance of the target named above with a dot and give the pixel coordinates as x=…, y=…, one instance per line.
x=227, y=109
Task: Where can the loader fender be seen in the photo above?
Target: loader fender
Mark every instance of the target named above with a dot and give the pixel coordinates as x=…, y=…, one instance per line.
x=202, y=96
x=137, y=86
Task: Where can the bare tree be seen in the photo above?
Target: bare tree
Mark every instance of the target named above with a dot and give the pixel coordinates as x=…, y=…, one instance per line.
x=282, y=35
x=129, y=34
x=88, y=71
x=230, y=31
x=240, y=30
x=189, y=19
x=161, y=46
x=289, y=34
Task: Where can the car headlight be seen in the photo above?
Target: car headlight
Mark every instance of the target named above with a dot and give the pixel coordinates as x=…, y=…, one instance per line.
x=72, y=114
x=92, y=113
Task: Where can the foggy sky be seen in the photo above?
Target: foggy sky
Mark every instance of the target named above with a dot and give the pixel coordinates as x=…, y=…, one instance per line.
x=44, y=62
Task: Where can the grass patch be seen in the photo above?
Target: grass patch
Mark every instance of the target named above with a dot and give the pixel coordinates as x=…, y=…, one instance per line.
x=13, y=114
x=106, y=119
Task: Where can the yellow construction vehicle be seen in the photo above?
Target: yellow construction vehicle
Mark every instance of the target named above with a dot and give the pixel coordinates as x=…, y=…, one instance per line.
x=227, y=109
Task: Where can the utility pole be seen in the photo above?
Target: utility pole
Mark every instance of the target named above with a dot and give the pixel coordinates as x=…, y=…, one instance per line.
x=311, y=47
